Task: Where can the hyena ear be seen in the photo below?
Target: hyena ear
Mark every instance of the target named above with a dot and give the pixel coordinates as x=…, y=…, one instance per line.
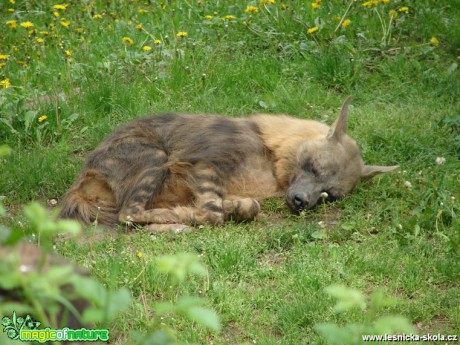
x=370, y=171
x=339, y=127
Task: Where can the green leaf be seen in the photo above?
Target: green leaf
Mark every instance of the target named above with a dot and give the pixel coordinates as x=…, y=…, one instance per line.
x=29, y=117
x=179, y=265
x=205, y=317
x=164, y=307
x=333, y=333
x=5, y=150
x=319, y=235
x=59, y=275
x=160, y=337
x=90, y=289
x=393, y=325
x=347, y=298
x=118, y=302
x=92, y=315
x=69, y=227
x=186, y=302
x=349, y=335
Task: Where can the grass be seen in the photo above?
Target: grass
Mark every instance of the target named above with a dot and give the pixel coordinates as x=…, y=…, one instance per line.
x=399, y=232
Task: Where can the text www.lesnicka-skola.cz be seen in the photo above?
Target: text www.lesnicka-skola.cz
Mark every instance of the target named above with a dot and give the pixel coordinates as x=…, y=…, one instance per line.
x=410, y=337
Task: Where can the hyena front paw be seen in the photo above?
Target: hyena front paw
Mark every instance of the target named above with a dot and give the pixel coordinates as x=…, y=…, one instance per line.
x=241, y=209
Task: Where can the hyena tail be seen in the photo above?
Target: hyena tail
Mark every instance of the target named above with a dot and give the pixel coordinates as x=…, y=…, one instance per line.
x=90, y=200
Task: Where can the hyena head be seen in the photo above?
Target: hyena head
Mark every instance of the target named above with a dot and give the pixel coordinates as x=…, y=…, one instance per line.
x=331, y=165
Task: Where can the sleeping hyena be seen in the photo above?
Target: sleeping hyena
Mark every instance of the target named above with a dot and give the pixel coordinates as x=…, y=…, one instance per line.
x=205, y=169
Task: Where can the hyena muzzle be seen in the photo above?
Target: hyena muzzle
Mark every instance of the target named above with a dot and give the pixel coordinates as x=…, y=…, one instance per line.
x=206, y=169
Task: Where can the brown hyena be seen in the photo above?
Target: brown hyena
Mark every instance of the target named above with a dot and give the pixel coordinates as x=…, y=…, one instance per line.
x=205, y=169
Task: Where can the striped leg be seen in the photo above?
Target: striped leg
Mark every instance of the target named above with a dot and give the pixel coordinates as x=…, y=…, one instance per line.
x=240, y=209
x=209, y=192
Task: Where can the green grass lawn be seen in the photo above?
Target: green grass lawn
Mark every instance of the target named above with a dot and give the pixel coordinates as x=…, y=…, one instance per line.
x=71, y=74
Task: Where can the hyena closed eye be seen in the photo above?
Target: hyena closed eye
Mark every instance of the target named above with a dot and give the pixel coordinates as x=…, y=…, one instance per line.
x=206, y=169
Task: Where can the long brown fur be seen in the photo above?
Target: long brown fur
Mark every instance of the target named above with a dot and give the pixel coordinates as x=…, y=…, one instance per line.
x=205, y=169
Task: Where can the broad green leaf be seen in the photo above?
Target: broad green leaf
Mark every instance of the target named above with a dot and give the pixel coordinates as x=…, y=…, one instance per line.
x=393, y=325
x=119, y=301
x=59, y=275
x=5, y=150
x=69, y=227
x=29, y=117
x=205, y=317
x=333, y=333
x=160, y=337
x=319, y=235
x=92, y=315
x=186, y=302
x=179, y=265
x=348, y=298
x=90, y=289
x=164, y=307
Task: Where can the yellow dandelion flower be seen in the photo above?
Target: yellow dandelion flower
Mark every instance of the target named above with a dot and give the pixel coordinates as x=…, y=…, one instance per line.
x=11, y=10
x=12, y=24
x=140, y=255
x=65, y=23
x=312, y=30
x=4, y=57
x=434, y=41
x=283, y=7
x=68, y=53
x=97, y=16
x=138, y=26
x=5, y=83
x=208, y=17
x=182, y=34
x=370, y=3
x=346, y=22
x=44, y=33
x=79, y=30
x=318, y=1
x=40, y=40
x=127, y=40
x=393, y=13
x=2, y=64
x=229, y=17
x=251, y=9
x=27, y=25
x=315, y=5
x=142, y=11
x=42, y=118
x=56, y=14
x=12, y=2
x=157, y=41
x=146, y=48
x=384, y=1
x=60, y=6
x=404, y=9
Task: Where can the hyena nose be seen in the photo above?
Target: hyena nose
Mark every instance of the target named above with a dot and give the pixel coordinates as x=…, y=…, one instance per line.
x=299, y=201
